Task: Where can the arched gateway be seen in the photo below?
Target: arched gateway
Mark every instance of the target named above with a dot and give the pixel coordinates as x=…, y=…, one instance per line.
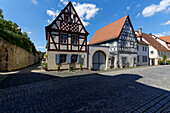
x=99, y=60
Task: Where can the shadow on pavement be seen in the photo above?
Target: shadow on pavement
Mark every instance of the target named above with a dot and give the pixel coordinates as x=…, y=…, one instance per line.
x=84, y=93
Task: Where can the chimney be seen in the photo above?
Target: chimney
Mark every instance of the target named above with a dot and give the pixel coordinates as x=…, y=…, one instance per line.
x=140, y=31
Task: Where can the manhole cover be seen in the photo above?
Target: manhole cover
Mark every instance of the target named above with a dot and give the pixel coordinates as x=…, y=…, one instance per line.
x=131, y=86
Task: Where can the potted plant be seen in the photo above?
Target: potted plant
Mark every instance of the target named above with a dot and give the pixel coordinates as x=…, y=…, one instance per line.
x=58, y=68
x=71, y=68
x=80, y=66
x=44, y=66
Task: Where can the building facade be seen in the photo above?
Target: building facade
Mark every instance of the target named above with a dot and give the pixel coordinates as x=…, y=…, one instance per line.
x=120, y=39
x=156, y=49
x=66, y=41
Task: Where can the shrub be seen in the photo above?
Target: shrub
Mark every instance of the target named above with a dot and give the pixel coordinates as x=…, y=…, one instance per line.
x=58, y=67
x=71, y=68
x=81, y=66
x=168, y=62
x=160, y=62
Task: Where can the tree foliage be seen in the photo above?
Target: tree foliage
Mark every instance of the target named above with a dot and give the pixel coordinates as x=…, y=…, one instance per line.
x=11, y=32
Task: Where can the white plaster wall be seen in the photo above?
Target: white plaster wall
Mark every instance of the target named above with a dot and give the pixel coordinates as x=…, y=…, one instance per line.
x=142, y=53
x=52, y=63
x=130, y=59
x=163, y=43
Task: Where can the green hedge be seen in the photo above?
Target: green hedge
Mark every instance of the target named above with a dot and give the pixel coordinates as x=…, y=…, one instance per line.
x=18, y=40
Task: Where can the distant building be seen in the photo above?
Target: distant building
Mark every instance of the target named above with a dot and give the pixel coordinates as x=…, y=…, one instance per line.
x=113, y=46
x=143, y=51
x=165, y=41
x=66, y=41
x=156, y=49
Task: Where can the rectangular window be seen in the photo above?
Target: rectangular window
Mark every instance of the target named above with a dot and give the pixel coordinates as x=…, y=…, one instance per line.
x=74, y=58
x=144, y=58
x=63, y=58
x=67, y=18
x=138, y=58
x=75, y=40
x=143, y=48
x=63, y=39
x=138, y=48
x=124, y=60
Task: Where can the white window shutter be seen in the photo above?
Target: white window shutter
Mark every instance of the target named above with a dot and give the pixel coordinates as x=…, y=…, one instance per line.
x=57, y=57
x=68, y=58
x=79, y=59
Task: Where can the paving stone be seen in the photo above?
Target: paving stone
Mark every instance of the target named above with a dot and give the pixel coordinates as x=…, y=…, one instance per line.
x=41, y=92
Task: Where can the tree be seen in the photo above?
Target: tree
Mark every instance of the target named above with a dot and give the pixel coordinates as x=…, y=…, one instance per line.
x=11, y=32
x=1, y=15
x=164, y=57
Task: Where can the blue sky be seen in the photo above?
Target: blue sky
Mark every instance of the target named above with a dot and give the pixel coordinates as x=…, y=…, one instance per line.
x=153, y=16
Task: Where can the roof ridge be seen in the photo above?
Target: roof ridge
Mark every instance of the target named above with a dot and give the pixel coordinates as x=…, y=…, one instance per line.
x=114, y=22
x=162, y=46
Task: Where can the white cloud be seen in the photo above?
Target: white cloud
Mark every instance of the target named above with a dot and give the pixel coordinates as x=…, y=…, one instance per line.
x=152, y=9
x=52, y=13
x=128, y=8
x=34, y=2
x=137, y=15
x=29, y=32
x=158, y=34
x=166, y=23
x=65, y=2
x=162, y=34
x=41, y=47
x=86, y=11
x=166, y=33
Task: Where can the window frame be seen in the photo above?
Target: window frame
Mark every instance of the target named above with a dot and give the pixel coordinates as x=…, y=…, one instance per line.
x=63, y=39
x=74, y=40
x=66, y=18
x=64, y=59
x=145, y=59
x=75, y=60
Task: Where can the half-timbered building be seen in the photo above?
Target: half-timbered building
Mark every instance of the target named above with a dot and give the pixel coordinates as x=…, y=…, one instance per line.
x=66, y=40
x=121, y=41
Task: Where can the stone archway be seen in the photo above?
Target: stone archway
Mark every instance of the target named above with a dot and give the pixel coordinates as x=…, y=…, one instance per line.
x=3, y=59
x=99, y=60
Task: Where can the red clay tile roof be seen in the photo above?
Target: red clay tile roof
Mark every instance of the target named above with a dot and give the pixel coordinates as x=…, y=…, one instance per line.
x=108, y=32
x=142, y=42
x=153, y=42
x=165, y=38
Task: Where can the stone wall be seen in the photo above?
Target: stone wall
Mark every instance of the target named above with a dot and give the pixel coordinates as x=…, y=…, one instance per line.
x=13, y=57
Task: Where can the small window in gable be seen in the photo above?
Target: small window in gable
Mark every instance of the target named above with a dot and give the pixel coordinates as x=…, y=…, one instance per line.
x=67, y=18
x=63, y=39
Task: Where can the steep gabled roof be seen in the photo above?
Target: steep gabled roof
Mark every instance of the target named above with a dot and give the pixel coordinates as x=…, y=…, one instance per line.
x=108, y=32
x=165, y=38
x=60, y=16
x=153, y=42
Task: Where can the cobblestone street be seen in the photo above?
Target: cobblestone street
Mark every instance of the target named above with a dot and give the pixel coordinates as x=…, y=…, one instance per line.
x=143, y=89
